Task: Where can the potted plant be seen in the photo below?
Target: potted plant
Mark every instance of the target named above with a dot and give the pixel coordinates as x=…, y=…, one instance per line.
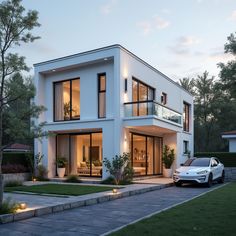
x=61, y=166
x=67, y=110
x=167, y=159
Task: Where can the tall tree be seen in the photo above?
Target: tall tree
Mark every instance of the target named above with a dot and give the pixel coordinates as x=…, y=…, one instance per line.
x=188, y=84
x=20, y=111
x=15, y=28
x=228, y=70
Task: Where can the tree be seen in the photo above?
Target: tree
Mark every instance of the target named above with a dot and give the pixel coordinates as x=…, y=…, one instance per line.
x=228, y=71
x=15, y=28
x=20, y=111
x=188, y=84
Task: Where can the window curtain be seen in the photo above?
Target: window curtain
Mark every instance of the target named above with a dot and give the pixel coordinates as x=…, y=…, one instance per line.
x=59, y=104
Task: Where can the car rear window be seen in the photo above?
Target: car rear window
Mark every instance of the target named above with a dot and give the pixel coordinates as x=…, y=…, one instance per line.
x=197, y=162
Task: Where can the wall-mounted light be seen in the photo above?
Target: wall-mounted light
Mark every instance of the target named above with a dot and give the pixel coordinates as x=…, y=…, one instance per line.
x=126, y=85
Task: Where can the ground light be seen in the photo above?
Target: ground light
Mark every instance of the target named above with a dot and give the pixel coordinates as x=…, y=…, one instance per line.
x=114, y=190
x=22, y=206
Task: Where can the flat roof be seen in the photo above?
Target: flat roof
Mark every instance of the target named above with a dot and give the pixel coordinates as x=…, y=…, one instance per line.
x=107, y=48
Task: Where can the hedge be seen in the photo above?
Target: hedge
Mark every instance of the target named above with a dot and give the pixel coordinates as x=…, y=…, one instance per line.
x=16, y=158
x=227, y=158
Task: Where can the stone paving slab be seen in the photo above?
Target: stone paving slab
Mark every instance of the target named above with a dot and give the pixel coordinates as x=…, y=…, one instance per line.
x=101, y=219
x=41, y=205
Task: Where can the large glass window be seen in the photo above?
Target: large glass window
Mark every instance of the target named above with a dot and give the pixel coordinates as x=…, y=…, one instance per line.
x=186, y=113
x=67, y=100
x=141, y=94
x=146, y=154
x=83, y=151
x=102, y=95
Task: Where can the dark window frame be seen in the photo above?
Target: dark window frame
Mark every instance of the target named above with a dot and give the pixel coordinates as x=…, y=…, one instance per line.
x=186, y=120
x=164, y=98
x=100, y=92
x=54, y=93
x=186, y=145
x=147, y=95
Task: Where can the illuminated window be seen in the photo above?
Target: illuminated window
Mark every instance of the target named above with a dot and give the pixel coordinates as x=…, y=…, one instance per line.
x=186, y=113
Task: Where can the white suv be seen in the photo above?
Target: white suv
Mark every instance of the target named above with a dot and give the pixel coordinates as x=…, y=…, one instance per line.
x=201, y=170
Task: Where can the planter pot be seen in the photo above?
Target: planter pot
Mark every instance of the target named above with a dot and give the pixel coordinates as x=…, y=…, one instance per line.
x=167, y=172
x=61, y=172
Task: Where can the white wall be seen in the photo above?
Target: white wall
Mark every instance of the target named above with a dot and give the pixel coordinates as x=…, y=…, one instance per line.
x=232, y=145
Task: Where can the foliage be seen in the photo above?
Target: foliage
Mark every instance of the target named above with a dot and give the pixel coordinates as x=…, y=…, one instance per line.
x=168, y=156
x=13, y=183
x=120, y=168
x=19, y=158
x=8, y=207
x=41, y=173
x=20, y=111
x=227, y=158
x=61, y=162
x=13, y=168
x=15, y=29
x=188, y=84
x=73, y=179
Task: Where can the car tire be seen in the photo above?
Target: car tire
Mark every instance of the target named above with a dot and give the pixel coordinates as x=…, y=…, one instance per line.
x=222, y=178
x=178, y=184
x=210, y=180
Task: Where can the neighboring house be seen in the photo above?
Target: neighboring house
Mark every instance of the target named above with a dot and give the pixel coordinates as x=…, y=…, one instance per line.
x=17, y=147
x=107, y=101
x=231, y=136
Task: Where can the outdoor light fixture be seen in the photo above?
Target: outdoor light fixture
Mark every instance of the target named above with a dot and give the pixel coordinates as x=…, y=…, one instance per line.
x=114, y=190
x=22, y=206
x=34, y=179
x=126, y=85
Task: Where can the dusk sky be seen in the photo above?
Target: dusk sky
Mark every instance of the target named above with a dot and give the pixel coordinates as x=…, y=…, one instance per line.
x=181, y=38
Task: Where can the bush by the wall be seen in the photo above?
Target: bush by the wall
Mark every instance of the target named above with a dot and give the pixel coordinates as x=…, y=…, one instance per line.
x=227, y=158
x=16, y=159
x=14, y=168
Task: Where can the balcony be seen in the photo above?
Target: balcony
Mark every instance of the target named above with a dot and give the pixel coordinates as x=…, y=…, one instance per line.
x=146, y=108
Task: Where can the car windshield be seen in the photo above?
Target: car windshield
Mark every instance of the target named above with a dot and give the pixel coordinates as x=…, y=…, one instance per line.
x=197, y=162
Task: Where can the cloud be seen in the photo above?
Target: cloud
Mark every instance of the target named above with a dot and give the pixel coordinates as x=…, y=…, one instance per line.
x=160, y=23
x=232, y=16
x=188, y=41
x=183, y=45
x=108, y=7
x=145, y=26
x=155, y=23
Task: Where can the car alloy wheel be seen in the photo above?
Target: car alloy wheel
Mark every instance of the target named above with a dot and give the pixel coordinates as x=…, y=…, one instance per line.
x=222, y=178
x=209, y=182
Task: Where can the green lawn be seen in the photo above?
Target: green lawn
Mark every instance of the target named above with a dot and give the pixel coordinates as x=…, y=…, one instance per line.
x=60, y=189
x=210, y=215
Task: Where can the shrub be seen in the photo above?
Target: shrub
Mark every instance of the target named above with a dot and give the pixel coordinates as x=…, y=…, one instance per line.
x=13, y=183
x=61, y=162
x=8, y=207
x=168, y=156
x=120, y=168
x=108, y=180
x=227, y=158
x=41, y=173
x=13, y=168
x=73, y=179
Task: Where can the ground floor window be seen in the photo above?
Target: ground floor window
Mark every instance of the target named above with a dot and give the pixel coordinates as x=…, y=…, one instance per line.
x=83, y=152
x=146, y=153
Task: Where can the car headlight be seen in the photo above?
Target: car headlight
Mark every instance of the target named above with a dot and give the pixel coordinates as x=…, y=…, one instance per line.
x=176, y=172
x=202, y=172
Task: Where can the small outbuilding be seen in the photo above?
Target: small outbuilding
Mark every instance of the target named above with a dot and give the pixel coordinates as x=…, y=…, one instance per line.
x=231, y=136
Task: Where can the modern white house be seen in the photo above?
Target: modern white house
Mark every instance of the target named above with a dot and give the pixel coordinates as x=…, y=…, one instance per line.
x=231, y=136
x=107, y=101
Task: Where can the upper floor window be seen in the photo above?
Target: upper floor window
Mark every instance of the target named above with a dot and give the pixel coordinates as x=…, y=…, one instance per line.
x=102, y=95
x=186, y=147
x=67, y=100
x=186, y=117
x=164, y=98
x=141, y=94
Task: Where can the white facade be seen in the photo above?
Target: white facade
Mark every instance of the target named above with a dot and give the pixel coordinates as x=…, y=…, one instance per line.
x=119, y=65
x=231, y=136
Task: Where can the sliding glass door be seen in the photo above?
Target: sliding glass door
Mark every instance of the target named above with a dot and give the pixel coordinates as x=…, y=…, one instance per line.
x=83, y=151
x=146, y=154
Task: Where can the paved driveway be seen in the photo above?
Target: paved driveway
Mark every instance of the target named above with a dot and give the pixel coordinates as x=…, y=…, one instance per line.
x=101, y=218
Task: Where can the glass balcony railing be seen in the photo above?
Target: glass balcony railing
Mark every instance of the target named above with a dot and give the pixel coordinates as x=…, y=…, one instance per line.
x=145, y=108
